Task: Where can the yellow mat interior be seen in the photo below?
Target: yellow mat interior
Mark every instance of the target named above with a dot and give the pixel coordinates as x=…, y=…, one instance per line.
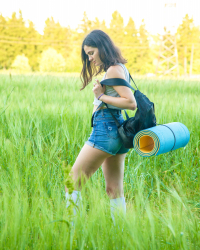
x=146, y=144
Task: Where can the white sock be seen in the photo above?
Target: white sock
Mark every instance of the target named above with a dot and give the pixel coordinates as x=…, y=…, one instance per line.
x=116, y=205
x=76, y=198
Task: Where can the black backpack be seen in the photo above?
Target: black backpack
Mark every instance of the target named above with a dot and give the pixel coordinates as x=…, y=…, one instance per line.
x=144, y=117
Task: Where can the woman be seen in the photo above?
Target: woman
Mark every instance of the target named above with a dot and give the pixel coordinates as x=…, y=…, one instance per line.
x=104, y=147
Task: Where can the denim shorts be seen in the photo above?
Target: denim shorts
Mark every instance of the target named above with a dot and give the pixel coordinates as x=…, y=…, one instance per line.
x=105, y=134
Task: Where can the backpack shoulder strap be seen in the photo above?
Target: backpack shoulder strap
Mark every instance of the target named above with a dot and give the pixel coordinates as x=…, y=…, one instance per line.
x=117, y=82
x=133, y=80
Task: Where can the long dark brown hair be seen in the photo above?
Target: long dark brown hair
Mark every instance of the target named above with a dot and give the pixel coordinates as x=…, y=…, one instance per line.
x=109, y=54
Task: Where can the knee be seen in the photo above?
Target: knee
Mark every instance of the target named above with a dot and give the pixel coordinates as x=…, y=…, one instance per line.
x=114, y=191
x=79, y=177
x=78, y=174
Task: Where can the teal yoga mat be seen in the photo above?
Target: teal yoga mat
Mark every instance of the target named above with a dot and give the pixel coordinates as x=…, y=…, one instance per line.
x=161, y=139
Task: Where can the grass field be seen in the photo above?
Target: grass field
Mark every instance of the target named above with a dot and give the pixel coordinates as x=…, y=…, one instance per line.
x=44, y=122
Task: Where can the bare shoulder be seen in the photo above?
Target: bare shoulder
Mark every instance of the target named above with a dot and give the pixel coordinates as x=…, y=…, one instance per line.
x=115, y=71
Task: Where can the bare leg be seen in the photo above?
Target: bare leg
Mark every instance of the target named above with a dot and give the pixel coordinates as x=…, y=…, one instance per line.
x=113, y=169
x=86, y=164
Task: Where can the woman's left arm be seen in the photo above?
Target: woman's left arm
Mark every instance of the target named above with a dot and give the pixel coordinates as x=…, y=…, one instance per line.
x=126, y=99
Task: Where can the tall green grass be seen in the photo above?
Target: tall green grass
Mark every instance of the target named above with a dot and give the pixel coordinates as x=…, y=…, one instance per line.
x=44, y=122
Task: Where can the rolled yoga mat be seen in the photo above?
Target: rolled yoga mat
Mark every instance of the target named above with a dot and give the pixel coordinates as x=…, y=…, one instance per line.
x=161, y=139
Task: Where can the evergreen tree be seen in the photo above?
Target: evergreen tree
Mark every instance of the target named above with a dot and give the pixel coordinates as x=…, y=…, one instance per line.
x=33, y=50
x=84, y=27
x=19, y=39
x=16, y=30
x=144, y=60
x=130, y=46
x=116, y=30
x=196, y=56
x=187, y=34
x=3, y=54
x=74, y=63
x=96, y=24
x=57, y=37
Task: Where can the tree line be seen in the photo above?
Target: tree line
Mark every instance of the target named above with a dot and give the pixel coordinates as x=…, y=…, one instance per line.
x=138, y=46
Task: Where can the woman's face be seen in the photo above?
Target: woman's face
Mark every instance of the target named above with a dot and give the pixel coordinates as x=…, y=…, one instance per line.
x=93, y=55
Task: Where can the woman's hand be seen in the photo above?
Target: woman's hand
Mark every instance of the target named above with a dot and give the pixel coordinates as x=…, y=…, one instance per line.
x=98, y=89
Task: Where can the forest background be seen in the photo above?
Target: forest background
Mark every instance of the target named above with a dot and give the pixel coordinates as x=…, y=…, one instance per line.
x=58, y=49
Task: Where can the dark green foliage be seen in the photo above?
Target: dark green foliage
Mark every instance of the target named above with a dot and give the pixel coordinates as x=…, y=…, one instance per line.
x=131, y=45
x=18, y=37
x=57, y=37
x=18, y=40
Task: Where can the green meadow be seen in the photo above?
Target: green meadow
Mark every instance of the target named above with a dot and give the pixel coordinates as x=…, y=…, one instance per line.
x=44, y=122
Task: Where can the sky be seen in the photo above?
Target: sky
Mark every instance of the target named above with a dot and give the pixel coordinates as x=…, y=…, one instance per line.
x=70, y=12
